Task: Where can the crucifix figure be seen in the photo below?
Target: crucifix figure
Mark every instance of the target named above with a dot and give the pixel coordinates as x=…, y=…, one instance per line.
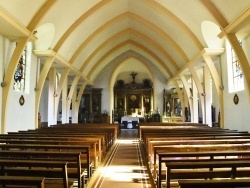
x=133, y=74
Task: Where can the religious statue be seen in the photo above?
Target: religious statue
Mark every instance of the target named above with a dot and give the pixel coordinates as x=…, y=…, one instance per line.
x=133, y=74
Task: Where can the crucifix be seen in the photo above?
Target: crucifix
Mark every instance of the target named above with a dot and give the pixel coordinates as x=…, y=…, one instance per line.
x=133, y=74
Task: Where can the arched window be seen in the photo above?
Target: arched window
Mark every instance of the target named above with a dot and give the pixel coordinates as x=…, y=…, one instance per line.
x=235, y=74
x=19, y=76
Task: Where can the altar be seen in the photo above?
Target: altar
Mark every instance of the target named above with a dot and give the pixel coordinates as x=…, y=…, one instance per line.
x=128, y=121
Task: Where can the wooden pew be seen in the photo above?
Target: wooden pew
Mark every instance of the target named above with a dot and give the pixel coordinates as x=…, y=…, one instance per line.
x=105, y=142
x=152, y=143
x=198, y=148
x=191, y=133
x=111, y=128
x=46, y=165
x=24, y=181
x=233, y=165
x=180, y=138
x=84, y=162
x=202, y=146
x=222, y=183
x=61, y=136
x=74, y=169
x=104, y=139
x=184, y=127
x=93, y=152
x=109, y=131
x=193, y=157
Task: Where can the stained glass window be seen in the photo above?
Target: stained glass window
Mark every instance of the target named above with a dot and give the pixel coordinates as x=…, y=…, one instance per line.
x=19, y=76
x=238, y=79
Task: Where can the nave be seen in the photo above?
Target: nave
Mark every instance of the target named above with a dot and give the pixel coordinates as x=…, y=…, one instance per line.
x=124, y=166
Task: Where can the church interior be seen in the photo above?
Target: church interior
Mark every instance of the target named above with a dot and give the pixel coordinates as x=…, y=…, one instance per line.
x=124, y=87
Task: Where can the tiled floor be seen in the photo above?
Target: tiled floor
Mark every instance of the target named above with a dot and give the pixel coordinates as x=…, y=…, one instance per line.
x=124, y=168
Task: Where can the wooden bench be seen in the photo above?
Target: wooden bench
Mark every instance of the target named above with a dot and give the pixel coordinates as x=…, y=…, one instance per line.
x=222, y=183
x=176, y=130
x=99, y=139
x=93, y=145
x=74, y=169
x=110, y=131
x=194, y=157
x=111, y=128
x=152, y=156
x=45, y=165
x=24, y=181
x=197, y=148
x=202, y=174
x=84, y=151
x=104, y=139
x=153, y=143
x=191, y=133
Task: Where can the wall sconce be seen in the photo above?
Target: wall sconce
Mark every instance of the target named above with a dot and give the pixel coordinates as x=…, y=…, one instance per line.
x=3, y=84
x=67, y=98
x=191, y=97
x=203, y=94
x=55, y=95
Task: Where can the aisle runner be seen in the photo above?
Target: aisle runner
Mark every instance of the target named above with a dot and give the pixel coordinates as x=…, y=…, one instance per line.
x=125, y=168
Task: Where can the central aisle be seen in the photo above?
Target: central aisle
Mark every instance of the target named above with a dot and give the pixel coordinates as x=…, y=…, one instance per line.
x=124, y=168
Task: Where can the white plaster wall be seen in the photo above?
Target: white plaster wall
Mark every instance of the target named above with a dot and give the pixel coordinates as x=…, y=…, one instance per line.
x=236, y=116
x=22, y=117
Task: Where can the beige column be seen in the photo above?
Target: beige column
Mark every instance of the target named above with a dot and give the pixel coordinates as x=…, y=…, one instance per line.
x=208, y=95
x=65, y=113
x=51, y=97
x=77, y=101
x=75, y=107
x=187, y=95
x=195, y=103
x=71, y=98
x=200, y=90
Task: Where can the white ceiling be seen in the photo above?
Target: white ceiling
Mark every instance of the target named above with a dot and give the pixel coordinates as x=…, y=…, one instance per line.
x=89, y=34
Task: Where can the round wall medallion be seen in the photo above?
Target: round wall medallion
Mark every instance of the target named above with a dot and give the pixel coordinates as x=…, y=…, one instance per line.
x=21, y=100
x=236, y=99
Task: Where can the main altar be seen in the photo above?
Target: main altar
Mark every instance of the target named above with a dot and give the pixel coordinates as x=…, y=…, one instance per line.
x=132, y=100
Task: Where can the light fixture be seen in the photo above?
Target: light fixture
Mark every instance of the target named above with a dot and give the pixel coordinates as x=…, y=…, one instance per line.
x=55, y=95
x=203, y=94
x=67, y=98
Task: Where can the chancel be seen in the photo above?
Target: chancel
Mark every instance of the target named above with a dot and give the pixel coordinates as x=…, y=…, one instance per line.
x=132, y=101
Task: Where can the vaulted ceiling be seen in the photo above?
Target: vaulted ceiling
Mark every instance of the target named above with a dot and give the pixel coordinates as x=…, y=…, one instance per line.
x=86, y=35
